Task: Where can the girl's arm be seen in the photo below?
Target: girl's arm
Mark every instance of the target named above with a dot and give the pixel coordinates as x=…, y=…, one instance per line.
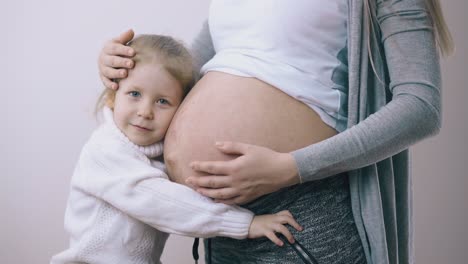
x=114, y=174
x=413, y=114
x=145, y=193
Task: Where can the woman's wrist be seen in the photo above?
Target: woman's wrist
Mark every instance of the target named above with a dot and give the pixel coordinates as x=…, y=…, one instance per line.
x=291, y=176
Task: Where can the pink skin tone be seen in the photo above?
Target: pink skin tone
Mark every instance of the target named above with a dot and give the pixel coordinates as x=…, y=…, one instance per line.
x=145, y=103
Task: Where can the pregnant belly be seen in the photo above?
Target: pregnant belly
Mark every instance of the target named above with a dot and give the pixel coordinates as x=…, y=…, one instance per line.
x=224, y=107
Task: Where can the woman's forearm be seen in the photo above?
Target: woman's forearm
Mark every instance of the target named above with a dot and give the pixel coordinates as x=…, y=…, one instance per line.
x=413, y=114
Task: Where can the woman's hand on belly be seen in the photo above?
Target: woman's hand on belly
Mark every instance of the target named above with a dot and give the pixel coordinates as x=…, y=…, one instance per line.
x=255, y=172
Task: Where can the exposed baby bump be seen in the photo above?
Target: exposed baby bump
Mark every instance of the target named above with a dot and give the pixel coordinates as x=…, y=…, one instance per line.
x=225, y=107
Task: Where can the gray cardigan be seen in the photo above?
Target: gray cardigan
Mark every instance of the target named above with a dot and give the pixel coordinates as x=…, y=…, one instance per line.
x=384, y=119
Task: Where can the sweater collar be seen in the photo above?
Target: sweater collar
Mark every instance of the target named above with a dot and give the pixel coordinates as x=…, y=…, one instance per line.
x=150, y=151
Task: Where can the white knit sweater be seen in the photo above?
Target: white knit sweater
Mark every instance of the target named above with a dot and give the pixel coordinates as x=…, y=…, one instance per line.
x=118, y=194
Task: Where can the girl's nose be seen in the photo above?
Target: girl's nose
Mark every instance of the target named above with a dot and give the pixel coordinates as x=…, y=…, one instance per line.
x=146, y=112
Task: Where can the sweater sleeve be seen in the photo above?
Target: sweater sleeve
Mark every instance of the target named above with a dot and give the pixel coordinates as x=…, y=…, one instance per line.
x=145, y=193
x=414, y=112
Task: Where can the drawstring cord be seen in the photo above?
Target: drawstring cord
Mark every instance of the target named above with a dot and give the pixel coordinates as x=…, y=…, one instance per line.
x=300, y=250
x=209, y=251
x=195, y=255
x=195, y=249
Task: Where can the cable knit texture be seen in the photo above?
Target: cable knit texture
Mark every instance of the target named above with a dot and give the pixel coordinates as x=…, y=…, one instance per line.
x=122, y=205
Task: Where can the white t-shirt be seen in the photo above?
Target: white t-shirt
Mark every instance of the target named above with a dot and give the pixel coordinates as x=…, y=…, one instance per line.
x=298, y=46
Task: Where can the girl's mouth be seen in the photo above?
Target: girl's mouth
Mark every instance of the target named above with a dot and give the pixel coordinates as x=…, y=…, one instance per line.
x=141, y=128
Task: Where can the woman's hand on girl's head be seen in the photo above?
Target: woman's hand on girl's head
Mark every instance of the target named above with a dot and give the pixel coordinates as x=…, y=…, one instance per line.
x=257, y=171
x=270, y=224
x=115, y=59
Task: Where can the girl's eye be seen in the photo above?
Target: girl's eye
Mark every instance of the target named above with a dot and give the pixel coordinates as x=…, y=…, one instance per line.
x=163, y=101
x=134, y=94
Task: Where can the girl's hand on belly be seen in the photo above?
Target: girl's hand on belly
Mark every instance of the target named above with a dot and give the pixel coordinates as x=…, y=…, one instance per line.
x=257, y=171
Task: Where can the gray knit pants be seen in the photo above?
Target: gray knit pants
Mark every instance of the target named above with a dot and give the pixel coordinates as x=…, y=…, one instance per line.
x=322, y=207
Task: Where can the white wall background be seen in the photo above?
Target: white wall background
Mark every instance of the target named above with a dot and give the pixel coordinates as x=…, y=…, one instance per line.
x=49, y=84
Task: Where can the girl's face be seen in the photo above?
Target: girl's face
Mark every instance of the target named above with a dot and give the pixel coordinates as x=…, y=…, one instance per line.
x=146, y=102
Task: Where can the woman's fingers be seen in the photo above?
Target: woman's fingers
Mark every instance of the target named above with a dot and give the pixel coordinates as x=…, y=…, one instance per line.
x=232, y=201
x=211, y=167
x=219, y=194
x=125, y=37
x=112, y=73
x=118, y=49
x=108, y=83
x=229, y=147
x=108, y=74
x=212, y=182
x=117, y=62
x=116, y=56
x=117, y=46
x=115, y=59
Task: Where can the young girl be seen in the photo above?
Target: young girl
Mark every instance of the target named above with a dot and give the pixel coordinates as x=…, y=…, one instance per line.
x=121, y=204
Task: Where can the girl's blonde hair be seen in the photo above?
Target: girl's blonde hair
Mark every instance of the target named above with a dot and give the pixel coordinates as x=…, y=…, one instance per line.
x=163, y=50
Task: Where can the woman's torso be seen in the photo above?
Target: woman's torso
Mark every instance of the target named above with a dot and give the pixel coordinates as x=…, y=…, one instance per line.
x=298, y=46
x=255, y=105
x=294, y=89
x=227, y=107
